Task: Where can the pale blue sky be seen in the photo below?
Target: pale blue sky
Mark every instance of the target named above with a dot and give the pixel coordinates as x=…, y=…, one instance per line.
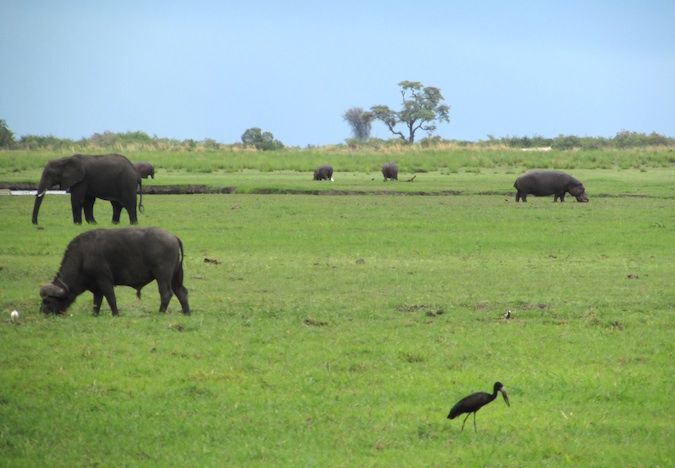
x=208, y=69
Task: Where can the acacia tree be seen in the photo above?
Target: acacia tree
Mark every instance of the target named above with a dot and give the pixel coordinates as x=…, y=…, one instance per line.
x=421, y=108
x=260, y=140
x=6, y=135
x=360, y=121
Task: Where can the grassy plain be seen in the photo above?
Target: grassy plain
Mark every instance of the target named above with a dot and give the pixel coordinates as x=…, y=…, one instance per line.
x=339, y=330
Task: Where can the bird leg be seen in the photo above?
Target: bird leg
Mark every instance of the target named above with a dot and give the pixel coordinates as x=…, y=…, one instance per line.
x=467, y=417
x=474, y=422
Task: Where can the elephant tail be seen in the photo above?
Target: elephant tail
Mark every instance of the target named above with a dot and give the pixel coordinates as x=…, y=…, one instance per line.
x=177, y=279
x=141, y=208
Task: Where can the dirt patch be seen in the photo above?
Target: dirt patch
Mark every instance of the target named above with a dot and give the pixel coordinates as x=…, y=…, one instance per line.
x=429, y=310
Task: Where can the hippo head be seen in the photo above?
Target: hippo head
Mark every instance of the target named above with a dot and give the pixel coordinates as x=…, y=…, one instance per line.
x=55, y=300
x=579, y=192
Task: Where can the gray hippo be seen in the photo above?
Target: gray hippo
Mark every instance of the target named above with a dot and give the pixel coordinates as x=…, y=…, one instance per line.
x=557, y=183
x=324, y=173
x=390, y=171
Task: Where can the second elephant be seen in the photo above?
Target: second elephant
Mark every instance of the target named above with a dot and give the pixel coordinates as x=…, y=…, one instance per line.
x=109, y=177
x=145, y=170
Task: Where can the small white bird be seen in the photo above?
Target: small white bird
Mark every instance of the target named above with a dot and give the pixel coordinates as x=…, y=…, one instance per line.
x=507, y=314
x=14, y=315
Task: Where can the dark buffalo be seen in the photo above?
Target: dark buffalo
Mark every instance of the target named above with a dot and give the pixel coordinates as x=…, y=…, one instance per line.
x=541, y=183
x=323, y=173
x=390, y=171
x=145, y=170
x=100, y=259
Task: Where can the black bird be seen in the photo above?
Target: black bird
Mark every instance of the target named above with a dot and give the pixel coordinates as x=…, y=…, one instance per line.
x=474, y=402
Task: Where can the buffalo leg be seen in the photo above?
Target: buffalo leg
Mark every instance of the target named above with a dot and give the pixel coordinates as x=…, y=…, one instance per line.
x=182, y=295
x=98, y=299
x=108, y=291
x=165, y=294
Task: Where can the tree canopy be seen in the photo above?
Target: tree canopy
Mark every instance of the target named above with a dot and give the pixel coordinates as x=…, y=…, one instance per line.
x=6, y=135
x=360, y=121
x=260, y=140
x=420, y=108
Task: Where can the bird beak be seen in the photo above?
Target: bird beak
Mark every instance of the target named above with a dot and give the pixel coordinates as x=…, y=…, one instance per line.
x=506, y=397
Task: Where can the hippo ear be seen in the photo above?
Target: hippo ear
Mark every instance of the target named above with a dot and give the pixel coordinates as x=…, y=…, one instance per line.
x=51, y=290
x=577, y=190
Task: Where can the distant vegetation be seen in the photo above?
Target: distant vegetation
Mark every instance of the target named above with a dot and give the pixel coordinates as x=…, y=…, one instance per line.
x=256, y=140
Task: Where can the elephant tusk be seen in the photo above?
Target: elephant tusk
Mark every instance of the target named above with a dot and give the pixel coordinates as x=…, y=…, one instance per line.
x=40, y=194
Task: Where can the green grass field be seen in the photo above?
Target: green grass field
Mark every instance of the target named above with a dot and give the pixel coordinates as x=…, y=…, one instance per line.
x=339, y=330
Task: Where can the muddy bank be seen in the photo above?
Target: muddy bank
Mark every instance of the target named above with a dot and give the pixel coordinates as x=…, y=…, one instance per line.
x=29, y=189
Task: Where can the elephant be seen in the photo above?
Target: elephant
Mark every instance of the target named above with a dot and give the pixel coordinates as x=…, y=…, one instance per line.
x=542, y=182
x=145, y=169
x=390, y=171
x=109, y=177
x=324, y=173
x=100, y=259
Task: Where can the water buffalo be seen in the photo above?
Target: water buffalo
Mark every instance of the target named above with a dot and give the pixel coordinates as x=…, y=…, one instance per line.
x=100, y=259
x=390, y=171
x=324, y=173
x=541, y=183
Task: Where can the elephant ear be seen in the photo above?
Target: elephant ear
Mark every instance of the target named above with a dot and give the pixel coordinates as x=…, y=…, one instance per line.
x=73, y=172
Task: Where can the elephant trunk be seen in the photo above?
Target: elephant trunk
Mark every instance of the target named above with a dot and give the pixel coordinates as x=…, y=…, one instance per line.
x=39, y=196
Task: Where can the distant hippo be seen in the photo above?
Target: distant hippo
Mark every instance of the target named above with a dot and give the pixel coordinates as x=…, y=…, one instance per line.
x=390, y=171
x=324, y=173
x=145, y=170
x=557, y=183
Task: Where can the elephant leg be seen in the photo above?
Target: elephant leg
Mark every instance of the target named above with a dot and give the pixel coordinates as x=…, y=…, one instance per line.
x=562, y=197
x=518, y=195
x=98, y=299
x=117, y=211
x=76, y=206
x=89, y=209
x=130, y=206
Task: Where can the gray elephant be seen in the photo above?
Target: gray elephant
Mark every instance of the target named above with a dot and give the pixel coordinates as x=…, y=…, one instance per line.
x=109, y=177
x=100, y=259
x=145, y=170
x=390, y=171
x=324, y=173
x=541, y=183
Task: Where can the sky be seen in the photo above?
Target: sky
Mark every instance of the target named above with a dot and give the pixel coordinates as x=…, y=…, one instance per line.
x=211, y=69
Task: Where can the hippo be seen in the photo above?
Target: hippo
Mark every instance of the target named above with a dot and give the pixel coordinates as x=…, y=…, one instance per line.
x=390, y=171
x=324, y=173
x=544, y=182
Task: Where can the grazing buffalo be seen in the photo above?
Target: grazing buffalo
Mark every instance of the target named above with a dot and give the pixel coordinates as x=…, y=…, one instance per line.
x=145, y=170
x=100, y=259
x=390, y=171
x=541, y=183
x=324, y=173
